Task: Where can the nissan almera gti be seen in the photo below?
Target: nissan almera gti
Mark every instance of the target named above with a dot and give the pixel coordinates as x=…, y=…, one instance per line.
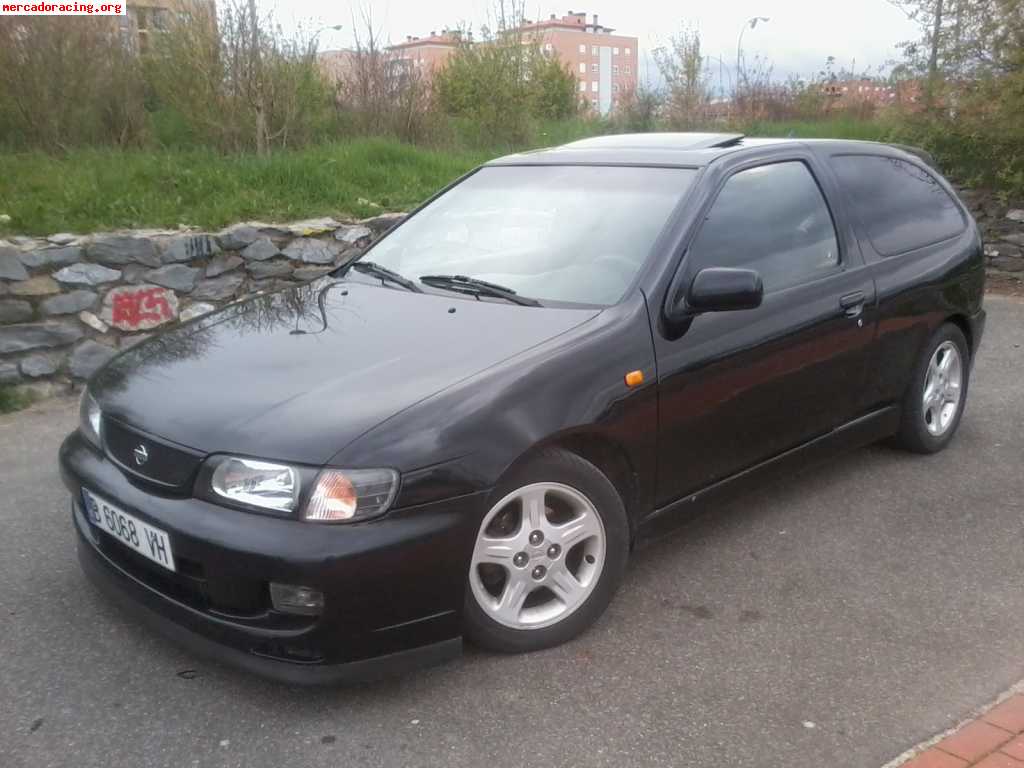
x=464, y=432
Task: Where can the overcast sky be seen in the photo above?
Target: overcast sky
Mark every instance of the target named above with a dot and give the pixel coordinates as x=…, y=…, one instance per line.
x=800, y=35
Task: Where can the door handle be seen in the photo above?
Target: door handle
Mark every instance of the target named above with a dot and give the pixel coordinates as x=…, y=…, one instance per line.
x=852, y=303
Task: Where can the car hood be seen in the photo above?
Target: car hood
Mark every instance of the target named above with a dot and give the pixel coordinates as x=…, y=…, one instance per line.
x=297, y=375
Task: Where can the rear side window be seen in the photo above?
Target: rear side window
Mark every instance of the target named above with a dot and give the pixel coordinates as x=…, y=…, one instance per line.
x=900, y=205
x=772, y=219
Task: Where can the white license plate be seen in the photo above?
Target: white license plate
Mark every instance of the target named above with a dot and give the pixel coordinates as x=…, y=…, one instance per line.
x=129, y=530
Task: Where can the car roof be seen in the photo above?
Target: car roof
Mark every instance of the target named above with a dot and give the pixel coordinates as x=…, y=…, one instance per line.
x=687, y=150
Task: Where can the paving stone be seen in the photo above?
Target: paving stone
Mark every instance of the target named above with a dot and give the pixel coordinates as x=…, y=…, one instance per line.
x=974, y=740
x=1008, y=715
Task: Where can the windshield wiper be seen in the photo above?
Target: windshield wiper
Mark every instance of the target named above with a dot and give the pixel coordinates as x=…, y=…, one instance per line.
x=474, y=287
x=384, y=274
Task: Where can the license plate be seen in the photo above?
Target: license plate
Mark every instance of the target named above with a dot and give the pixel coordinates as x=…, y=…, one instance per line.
x=142, y=537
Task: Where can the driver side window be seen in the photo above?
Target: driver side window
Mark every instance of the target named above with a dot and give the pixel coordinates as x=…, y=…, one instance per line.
x=772, y=219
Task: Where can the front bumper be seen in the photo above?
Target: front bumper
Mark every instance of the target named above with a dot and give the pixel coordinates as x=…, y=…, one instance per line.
x=393, y=587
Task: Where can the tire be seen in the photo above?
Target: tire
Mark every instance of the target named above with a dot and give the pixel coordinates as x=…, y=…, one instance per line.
x=509, y=607
x=928, y=428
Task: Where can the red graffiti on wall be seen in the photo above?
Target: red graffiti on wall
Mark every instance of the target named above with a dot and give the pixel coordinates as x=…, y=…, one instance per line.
x=131, y=309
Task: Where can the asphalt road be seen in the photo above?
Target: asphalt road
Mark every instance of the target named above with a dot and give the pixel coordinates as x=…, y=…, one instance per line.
x=878, y=598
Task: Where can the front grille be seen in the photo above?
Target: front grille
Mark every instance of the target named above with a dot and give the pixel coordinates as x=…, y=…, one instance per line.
x=169, y=466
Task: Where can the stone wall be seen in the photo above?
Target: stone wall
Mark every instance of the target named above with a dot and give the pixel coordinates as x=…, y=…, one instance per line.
x=1003, y=230
x=68, y=303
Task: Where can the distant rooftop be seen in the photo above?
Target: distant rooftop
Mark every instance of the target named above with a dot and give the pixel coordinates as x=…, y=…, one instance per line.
x=572, y=20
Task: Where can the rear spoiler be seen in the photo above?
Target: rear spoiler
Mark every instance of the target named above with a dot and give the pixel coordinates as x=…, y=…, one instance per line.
x=920, y=154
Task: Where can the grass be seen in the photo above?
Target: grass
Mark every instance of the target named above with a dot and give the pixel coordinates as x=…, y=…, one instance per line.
x=12, y=399
x=93, y=190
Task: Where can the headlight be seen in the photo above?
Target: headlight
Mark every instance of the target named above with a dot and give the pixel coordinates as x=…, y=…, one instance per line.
x=90, y=417
x=350, y=495
x=252, y=483
x=327, y=496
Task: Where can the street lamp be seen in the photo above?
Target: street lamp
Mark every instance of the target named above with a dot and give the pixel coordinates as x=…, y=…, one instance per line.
x=334, y=27
x=749, y=23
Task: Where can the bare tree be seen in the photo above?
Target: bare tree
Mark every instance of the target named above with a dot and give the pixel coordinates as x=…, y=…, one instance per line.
x=684, y=69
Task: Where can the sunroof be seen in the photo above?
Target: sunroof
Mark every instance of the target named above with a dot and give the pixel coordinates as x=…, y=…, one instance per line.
x=658, y=141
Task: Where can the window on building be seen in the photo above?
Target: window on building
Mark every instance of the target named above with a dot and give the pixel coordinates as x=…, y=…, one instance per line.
x=593, y=86
x=772, y=219
x=900, y=205
x=595, y=50
x=583, y=87
x=615, y=51
x=628, y=69
x=583, y=48
x=615, y=87
x=593, y=103
x=595, y=68
x=549, y=47
x=583, y=67
x=615, y=69
x=627, y=51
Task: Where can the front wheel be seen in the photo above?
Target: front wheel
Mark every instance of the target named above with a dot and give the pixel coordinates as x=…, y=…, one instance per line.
x=548, y=556
x=935, y=399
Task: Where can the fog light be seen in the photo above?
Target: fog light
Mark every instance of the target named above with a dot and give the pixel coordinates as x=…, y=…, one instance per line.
x=289, y=598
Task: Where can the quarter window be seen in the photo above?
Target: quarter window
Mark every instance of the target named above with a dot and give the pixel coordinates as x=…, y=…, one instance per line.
x=900, y=205
x=772, y=219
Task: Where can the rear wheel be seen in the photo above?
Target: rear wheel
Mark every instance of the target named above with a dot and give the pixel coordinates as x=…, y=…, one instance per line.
x=935, y=399
x=548, y=556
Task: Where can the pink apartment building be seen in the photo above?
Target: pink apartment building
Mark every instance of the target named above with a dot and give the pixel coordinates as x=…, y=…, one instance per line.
x=605, y=64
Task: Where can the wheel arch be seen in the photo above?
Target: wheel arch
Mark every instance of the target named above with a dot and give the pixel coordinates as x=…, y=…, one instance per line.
x=604, y=452
x=960, y=321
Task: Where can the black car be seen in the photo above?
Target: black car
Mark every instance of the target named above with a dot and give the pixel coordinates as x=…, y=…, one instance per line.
x=466, y=431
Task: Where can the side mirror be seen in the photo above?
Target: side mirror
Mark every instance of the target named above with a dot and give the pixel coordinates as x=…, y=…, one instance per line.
x=723, y=289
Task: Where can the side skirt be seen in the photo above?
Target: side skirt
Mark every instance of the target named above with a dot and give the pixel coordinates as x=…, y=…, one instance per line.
x=862, y=431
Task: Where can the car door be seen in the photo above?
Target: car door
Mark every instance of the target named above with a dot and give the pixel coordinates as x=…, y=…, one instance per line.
x=739, y=387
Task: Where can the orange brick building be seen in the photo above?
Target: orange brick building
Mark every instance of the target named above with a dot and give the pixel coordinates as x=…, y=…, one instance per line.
x=605, y=64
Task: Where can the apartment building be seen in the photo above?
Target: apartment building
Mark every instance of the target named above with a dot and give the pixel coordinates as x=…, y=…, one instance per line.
x=427, y=54
x=605, y=64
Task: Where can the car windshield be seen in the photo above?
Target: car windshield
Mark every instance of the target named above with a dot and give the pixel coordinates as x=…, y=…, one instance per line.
x=576, y=234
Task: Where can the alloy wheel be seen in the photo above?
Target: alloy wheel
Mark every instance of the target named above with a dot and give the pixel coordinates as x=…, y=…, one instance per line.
x=538, y=556
x=942, y=388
